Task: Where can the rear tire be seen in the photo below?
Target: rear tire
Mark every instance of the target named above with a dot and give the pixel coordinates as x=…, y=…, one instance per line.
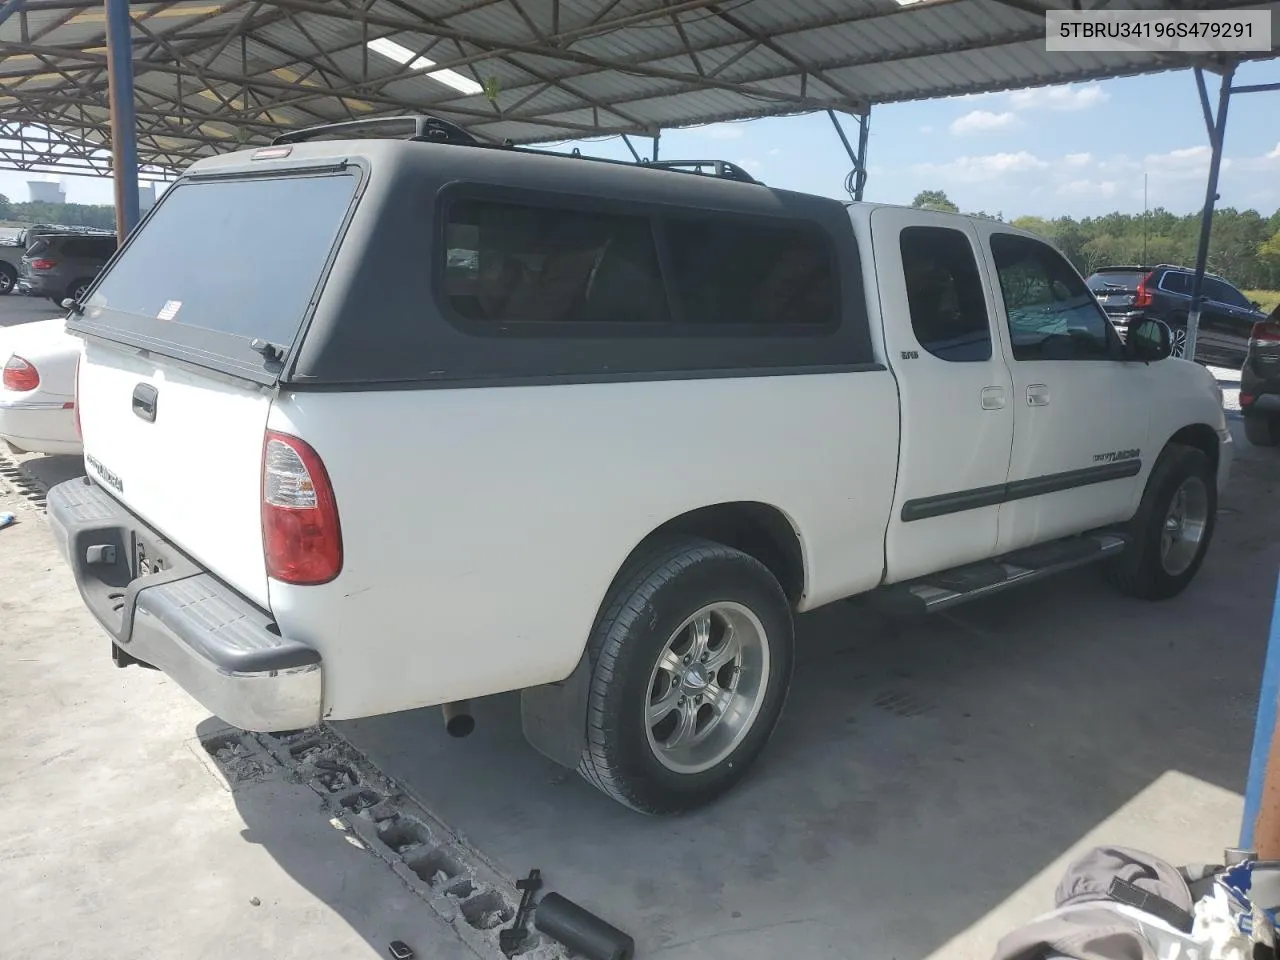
x=1173, y=526
x=691, y=661
x=8, y=279
x=77, y=290
x=1262, y=431
x=1178, y=335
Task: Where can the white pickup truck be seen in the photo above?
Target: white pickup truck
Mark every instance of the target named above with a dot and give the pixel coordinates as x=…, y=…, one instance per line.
x=372, y=424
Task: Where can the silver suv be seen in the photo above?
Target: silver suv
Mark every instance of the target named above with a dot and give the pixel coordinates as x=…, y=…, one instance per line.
x=65, y=265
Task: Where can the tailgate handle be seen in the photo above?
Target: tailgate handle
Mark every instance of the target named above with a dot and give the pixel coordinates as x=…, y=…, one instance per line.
x=144, y=401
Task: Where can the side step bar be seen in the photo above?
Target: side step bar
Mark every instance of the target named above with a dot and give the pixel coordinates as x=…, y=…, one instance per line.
x=937, y=591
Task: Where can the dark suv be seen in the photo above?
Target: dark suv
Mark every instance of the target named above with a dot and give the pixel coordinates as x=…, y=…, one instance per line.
x=1260, y=383
x=1163, y=293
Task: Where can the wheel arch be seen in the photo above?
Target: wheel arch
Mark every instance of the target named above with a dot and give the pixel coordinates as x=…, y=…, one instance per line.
x=759, y=530
x=554, y=715
x=1202, y=437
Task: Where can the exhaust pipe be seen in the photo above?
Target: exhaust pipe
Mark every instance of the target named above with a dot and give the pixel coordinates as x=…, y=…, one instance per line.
x=458, y=720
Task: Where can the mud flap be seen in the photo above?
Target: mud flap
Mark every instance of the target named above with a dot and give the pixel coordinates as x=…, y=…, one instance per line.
x=554, y=715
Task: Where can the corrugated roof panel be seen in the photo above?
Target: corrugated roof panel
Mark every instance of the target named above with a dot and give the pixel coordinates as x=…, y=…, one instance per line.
x=873, y=50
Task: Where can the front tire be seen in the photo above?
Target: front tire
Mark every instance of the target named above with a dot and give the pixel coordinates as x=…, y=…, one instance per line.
x=691, y=661
x=1173, y=526
x=1262, y=431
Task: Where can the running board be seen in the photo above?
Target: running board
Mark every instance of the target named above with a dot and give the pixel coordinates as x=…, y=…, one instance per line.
x=937, y=591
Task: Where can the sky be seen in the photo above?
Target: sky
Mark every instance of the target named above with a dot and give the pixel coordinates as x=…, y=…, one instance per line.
x=1078, y=150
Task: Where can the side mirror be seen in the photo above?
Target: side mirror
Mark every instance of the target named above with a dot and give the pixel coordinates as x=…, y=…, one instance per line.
x=1150, y=340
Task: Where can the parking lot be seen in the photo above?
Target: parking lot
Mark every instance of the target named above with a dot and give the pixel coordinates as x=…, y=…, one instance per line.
x=920, y=798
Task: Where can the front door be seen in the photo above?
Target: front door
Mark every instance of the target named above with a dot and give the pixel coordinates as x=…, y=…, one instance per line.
x=1081, y=411
x=954, y=387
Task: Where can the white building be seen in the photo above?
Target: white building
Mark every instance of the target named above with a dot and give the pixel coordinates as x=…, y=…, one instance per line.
x=46, y=191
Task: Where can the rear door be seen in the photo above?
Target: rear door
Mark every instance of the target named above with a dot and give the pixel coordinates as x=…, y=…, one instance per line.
x=174, y=395
x=954, y=387
x=1226, y=321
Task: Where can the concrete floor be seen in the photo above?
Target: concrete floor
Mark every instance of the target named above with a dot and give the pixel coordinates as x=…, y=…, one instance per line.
x=928, y=780
x=921, y=797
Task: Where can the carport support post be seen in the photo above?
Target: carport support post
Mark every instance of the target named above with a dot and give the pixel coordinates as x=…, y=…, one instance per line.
x=1217, y=133
x=124, y=126
x=1260, y=830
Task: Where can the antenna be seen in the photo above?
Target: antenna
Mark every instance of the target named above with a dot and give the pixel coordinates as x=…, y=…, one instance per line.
x=1145, y=219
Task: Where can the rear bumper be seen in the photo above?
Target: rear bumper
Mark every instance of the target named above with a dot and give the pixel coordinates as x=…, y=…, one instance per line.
x=35, y=286
x=39, y=426
x=215, y=644
x=1268, y=403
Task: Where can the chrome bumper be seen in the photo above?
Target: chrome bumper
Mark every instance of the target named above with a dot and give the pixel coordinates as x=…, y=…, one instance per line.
x=216, y=645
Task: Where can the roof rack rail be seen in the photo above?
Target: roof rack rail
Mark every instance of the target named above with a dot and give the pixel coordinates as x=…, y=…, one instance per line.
x=420, y=127
x=718, y=168
x=424, y=127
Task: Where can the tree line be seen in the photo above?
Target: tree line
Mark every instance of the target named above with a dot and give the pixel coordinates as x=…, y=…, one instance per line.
x=1244, y=246
x=63, y=214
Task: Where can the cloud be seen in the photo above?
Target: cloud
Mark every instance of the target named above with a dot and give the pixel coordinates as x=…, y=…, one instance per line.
x=1186, y=163
x=1069, y=97
x=979, y=169
x=1103, y=189
x=721, y=131
x=1078, y=159
x=1274, y=154
x=977, y=121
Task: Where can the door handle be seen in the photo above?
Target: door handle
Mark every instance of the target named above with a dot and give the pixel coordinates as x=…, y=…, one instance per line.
x=992, y=398
x=1038, y=395
x=144, y=401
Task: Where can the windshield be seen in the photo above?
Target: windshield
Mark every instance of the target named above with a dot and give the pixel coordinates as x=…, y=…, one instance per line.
x=239, y=257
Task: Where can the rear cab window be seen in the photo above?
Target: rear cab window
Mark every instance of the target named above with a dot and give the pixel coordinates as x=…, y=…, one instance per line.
x=222, y=262
x=1108, y=281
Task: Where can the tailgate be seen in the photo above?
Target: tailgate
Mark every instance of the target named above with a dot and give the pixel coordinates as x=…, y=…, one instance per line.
x=194, y=471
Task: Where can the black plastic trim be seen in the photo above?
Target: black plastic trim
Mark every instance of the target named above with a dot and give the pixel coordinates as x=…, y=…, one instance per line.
x=925, y=508
x=569, y=379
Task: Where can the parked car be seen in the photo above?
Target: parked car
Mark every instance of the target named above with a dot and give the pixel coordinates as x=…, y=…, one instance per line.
x=1260, y=383
x=615, y=427
x=58, y=266
x=1227, y=316
x=10, y=258
x=1117, y=291
x=37, y=387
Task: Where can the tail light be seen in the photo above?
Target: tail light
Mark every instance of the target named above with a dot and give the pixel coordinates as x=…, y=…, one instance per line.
x=1265, y=334
x=301, y=537
x=43, y=264
x=1143, y=299
x=75, y=404
x=1246, y=399
x=20, y=375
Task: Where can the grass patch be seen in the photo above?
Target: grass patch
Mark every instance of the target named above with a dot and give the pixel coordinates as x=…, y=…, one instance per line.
x=1268, y=298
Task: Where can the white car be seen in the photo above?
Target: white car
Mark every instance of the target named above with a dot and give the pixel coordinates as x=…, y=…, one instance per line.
x=594, y=432
x=37, y=390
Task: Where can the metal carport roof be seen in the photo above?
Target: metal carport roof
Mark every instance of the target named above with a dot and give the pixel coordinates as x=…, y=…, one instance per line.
x=210, y=75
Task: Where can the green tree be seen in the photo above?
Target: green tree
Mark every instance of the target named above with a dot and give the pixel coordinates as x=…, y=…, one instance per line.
x=934, y=200
x=6, y=210
x=1269, y=250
